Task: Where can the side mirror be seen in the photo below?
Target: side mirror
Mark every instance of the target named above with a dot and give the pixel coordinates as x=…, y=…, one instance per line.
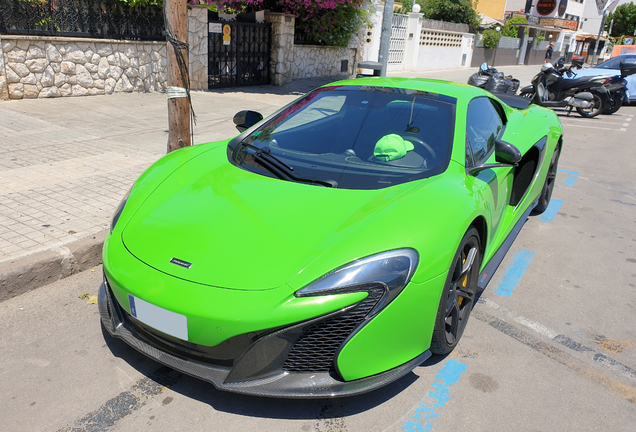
x=628, y=68
x=506, y=152
x=246, y=119
x=506, y=155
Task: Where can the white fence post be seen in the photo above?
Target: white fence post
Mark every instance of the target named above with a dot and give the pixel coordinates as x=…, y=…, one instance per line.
x=412, y=46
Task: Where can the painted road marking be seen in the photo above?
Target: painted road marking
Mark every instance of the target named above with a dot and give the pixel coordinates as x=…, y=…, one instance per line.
x=601, y=359
x=542, y=330
x=552, y=210
x=572, y=176
x=593, y=127
x=558, y=355
x=513, y=273
x=428, y=408
x=587, y=121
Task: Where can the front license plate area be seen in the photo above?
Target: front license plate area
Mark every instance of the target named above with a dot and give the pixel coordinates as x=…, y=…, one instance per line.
x=158, y=318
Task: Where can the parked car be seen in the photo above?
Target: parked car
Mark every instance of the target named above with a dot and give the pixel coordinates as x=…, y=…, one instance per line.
x=610, y=68
x=331, y=248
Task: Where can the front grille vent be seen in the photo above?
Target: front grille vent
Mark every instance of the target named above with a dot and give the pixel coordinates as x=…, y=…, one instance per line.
x=315, y=349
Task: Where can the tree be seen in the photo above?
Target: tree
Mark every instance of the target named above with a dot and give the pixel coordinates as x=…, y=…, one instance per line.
x=491, y=39
x=455, y=11
x=509, y=29
x=624, y=17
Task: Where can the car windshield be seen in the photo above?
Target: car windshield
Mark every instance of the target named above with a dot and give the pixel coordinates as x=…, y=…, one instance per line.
x=353, y=137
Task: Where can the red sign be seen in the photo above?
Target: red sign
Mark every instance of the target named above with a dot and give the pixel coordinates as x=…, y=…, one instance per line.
x=546, y=7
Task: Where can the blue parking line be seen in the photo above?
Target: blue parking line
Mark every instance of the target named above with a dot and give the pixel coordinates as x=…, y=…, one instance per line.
x=428, y=408
x=552, y=210
x=513, y=273
x=572, y=176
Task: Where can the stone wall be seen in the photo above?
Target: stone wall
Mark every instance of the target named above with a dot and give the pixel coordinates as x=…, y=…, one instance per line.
x=317, y=61
x=290, y=61
x=43, y=66
x=198, y=41
x=4, y=90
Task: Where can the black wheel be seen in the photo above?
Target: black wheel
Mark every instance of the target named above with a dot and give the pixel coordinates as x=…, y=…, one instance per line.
x=458, y=296
x=548, y=186
x=595, y=109
x=615, y=104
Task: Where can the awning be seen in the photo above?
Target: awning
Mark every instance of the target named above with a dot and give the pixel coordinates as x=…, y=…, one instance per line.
x=487, y=21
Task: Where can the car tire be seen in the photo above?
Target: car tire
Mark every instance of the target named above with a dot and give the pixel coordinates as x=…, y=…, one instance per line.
x=548, y=185
x=459, y=294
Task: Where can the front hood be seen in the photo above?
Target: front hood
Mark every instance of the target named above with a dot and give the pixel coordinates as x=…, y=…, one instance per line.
x=241, y=230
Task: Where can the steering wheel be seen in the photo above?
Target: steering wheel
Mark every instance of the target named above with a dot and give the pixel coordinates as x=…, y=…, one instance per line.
x=428, y=148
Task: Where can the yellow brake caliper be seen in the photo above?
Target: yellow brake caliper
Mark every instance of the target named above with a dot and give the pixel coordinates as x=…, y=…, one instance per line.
x=464, y=280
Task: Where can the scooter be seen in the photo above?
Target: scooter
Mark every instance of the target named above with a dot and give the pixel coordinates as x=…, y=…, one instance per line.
x=550, y=89
x=615, y=85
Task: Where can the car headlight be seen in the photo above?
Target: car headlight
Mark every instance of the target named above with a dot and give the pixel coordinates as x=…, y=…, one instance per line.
x=120, y=208
x=390, y=270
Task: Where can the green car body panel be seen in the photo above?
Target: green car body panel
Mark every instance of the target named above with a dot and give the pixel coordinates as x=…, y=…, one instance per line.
x=254, y=240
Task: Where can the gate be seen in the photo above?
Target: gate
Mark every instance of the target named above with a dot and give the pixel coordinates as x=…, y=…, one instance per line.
x=398, y=39
x=238, y=53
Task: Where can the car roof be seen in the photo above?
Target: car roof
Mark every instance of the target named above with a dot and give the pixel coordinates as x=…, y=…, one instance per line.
x=448, y=88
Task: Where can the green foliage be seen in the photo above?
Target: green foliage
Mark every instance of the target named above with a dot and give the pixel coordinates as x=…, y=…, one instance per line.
x=509, y=30
x=491, y=39
x=455, y=11
x=538, y=39
x=135, y=3
x=624, y=17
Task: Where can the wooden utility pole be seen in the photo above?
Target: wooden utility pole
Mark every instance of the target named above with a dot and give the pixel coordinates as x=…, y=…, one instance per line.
x=178, y=102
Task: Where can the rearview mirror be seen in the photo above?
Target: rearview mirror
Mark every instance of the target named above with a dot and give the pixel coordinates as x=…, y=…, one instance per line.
x=246, y=119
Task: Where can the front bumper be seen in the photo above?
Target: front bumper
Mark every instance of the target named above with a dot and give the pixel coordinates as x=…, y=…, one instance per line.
x=276, y=383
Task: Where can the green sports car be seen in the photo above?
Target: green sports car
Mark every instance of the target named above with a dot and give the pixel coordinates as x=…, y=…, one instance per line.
x=331, y=248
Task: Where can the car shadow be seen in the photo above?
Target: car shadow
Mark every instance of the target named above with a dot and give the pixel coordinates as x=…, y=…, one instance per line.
x=254, y=406
x=296, y=87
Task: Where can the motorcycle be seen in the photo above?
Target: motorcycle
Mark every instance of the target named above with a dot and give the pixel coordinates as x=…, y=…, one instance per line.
x=615, y=85
x=492, y=80
x=550, y=89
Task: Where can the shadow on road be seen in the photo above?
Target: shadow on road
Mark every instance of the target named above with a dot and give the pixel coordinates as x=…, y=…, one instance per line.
x=297, y=87
x=253, y=406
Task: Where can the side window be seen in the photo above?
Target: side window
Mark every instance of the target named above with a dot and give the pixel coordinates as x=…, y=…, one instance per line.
x=483, y=126
x=610, y=64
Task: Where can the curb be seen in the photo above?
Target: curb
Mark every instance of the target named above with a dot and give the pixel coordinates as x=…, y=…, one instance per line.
x=41, y=268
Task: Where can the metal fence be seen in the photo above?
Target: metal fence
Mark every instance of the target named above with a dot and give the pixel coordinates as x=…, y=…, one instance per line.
x=81, y=18
x=398, y=39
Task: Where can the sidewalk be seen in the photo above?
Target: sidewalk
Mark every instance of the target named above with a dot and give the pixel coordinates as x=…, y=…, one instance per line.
x=66, y=163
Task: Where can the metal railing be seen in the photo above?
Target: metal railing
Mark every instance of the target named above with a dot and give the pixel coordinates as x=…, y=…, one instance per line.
x=81, y=18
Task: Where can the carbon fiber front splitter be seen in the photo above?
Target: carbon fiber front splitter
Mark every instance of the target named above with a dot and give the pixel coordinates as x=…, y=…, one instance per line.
x=307, y=385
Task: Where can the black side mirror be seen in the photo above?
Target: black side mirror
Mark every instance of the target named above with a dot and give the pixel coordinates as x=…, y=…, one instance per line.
x=506, y=152
x=506, y=155
x=628, y=67
x=246, y=119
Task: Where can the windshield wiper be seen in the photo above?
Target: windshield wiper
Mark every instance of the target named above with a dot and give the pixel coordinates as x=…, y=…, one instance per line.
x=276, y=166
x=266, y=152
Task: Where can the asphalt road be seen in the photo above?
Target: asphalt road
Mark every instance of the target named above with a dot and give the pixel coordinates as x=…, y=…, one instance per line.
x=550, y=346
